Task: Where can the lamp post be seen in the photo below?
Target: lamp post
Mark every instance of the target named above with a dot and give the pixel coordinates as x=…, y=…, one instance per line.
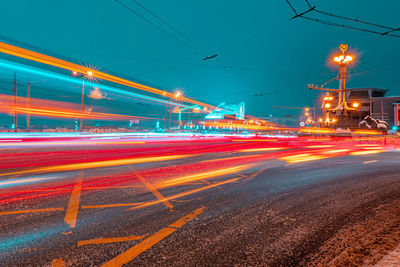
x=177, y=95
x=342, y=59
x=83, y=76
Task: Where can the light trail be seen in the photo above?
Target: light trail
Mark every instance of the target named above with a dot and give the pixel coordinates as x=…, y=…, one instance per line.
x=97, y=164
x=23, y=181
x=201, y=176
x=302, y=158
x=262, y=149
x=63, y=64
x=368, y=152
x=50, y=108
x=186, y=193
x=59, y=77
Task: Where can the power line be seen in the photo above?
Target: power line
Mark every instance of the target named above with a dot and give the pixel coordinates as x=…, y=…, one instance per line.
x=294, y=10
x=351, y=19
x=163, y=21
x=339, y=25
x=313, y=9
x=151, y=23
x=256, y=35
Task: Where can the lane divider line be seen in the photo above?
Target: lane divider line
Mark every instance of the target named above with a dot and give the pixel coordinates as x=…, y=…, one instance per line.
x=185, y=193
x=58, y=263
x=108, y=240
x=138, y=249
x=152, y=189
x=73, y=205
x=251, y=176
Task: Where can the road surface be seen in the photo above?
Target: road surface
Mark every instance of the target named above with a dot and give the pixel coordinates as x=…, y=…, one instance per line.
x=192, y=201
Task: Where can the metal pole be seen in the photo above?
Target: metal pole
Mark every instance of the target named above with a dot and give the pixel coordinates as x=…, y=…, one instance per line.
x=82, y=105
x=28, y=116
x=15, y=102
x=165, y=117
x=169, y=123
x=179, y=118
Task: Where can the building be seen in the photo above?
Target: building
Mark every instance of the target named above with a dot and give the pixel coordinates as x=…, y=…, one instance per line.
x=371, y=102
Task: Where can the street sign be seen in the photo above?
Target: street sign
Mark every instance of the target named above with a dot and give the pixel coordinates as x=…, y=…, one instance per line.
x=302, y=118
x=302, y=124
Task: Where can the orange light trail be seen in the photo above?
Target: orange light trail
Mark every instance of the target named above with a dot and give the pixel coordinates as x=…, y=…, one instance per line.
x=302, y=158
x=367, y=152
x=201, y=176
x=97, y=164
x=63, y=64
x=51, y=108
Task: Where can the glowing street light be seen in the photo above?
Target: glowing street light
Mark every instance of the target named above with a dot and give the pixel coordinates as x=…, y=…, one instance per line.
x=342, y=59
x=178, y=94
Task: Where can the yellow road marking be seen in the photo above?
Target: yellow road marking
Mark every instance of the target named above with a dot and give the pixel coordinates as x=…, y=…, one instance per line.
x=30, y=211
x=146, y=204
x=67, y=233
x=97, y=164
x=154, y=190
x=253, y=175
x=73, y=205
x=184, y=193
x=136, y=250
x=58, y=263
x=110, y=240
x=111, y=205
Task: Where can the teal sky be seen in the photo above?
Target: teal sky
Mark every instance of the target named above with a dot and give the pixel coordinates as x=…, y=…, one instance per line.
x=254, y=54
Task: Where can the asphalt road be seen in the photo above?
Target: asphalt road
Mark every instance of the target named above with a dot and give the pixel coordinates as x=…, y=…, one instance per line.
x=219, y=203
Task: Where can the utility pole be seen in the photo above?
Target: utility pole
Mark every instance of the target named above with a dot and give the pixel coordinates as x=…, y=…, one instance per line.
x=28, y=116
x=15, y=102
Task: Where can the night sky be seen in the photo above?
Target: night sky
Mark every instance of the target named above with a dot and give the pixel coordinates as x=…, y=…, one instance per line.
x=259, y=50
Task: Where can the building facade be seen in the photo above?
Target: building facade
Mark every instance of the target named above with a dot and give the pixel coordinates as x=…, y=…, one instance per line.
x=371, y=102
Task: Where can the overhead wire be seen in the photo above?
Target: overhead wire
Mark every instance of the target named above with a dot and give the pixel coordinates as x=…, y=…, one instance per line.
x=163, y=21
x=151, y=23
x=321, y=21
